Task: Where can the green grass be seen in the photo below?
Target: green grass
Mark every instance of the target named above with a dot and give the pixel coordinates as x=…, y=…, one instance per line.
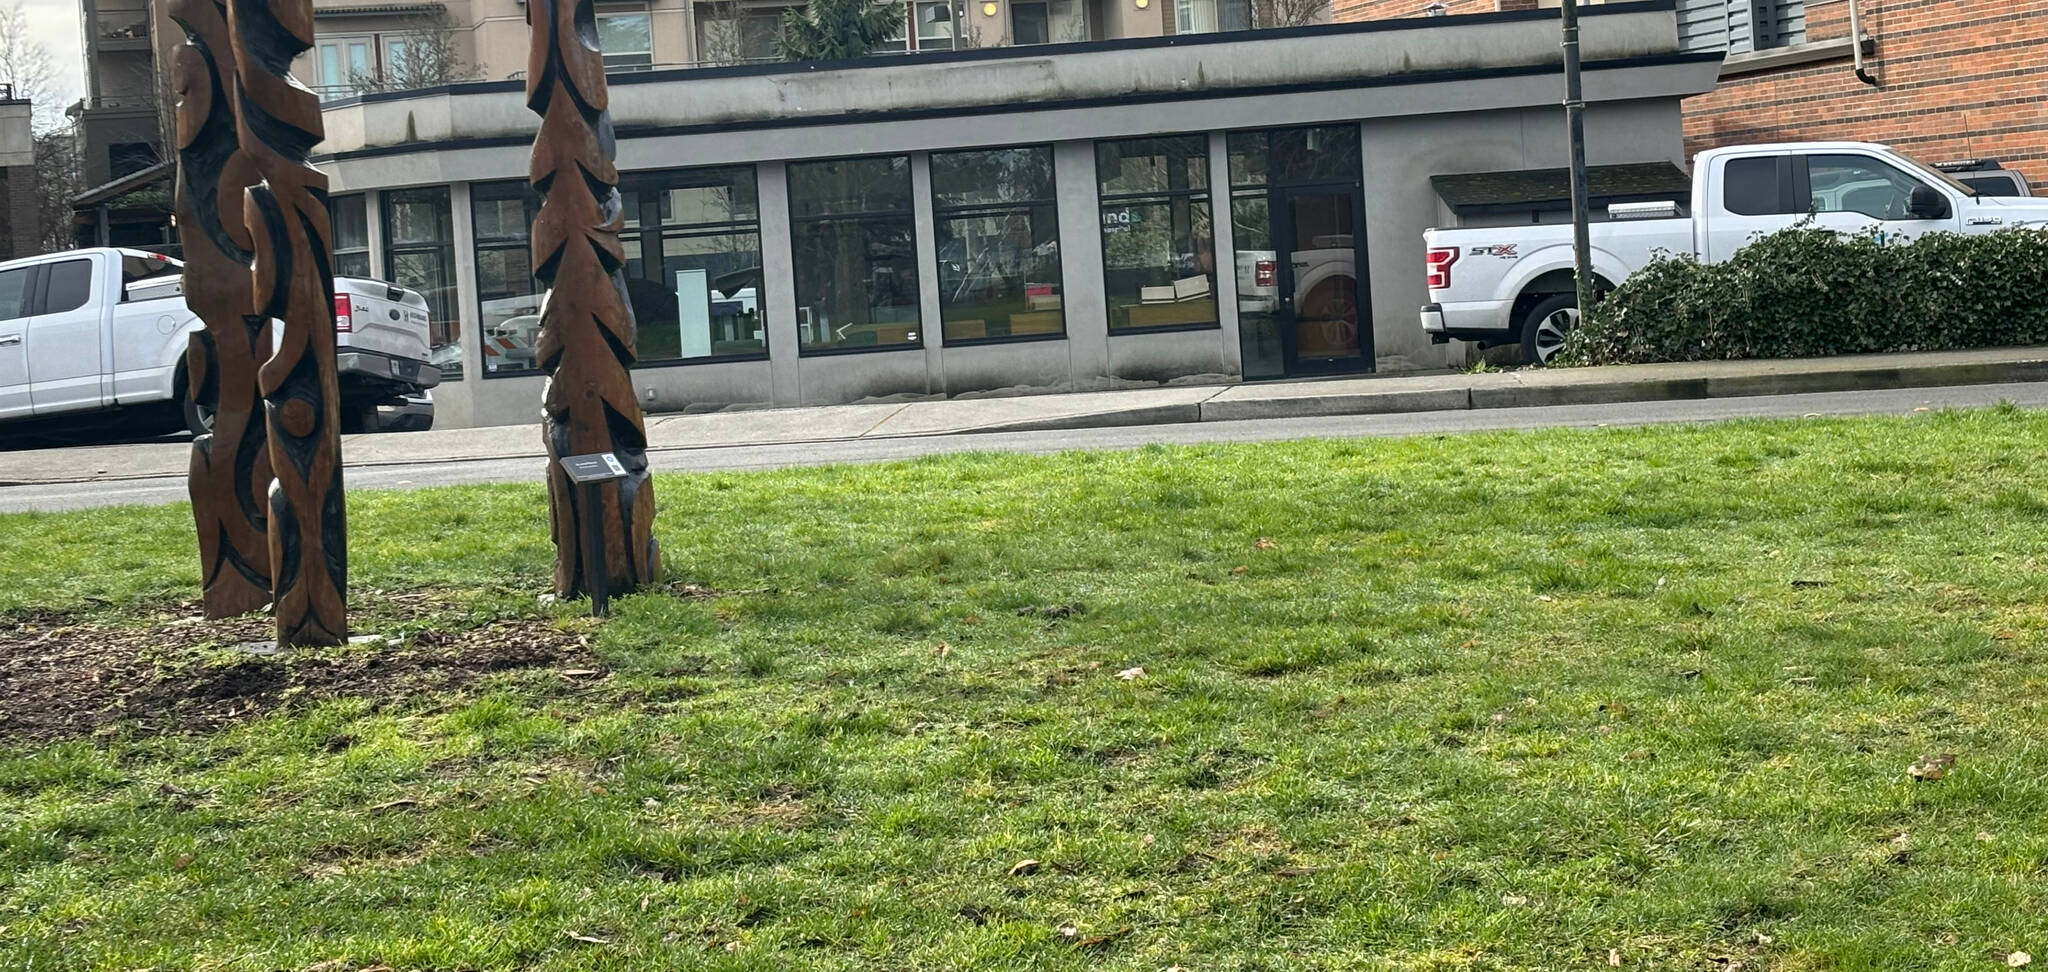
x=1503, y=701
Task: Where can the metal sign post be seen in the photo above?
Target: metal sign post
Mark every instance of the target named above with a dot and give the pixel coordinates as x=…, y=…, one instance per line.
x=1575, y=121
x=590, y=473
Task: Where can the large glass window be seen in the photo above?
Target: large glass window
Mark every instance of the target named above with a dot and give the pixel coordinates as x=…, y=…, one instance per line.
x=508, y=296
x=693, y=263
x=999, y=244
x=419, y=254
x=856, y=253
x=1158, y=249
x=351, y=235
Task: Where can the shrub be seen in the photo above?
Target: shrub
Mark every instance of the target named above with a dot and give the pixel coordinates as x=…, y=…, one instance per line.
x=1805, y=292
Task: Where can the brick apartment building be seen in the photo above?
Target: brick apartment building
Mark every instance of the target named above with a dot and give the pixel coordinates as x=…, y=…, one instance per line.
x=1946, y=79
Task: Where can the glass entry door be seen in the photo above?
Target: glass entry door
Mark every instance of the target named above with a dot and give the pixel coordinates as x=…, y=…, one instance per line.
x=1297, y=215
x=1317, y=280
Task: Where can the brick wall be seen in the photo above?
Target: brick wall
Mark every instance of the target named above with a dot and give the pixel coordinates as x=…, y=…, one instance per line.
x=18, y=207
x=1958, y=79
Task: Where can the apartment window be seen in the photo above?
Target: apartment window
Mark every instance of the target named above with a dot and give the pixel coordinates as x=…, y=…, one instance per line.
x=351, y=235
x=1740, y=26
x=626, y=36
x=693, y=263
x=999, y=244
x=929, y=27
x=508, y=297
x=1158, y=249
x=344, y=62
x=1030, y=23
x=856, y=253
x=419, y=255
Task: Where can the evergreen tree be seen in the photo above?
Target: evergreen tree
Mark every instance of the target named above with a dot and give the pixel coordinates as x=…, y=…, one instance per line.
x=834, y=30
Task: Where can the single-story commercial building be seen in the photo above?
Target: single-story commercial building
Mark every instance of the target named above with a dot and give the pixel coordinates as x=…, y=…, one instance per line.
x=1217, y=207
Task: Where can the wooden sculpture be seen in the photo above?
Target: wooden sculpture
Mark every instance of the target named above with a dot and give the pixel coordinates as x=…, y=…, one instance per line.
x=229, y=477
x=278, y=123
x=587, y=332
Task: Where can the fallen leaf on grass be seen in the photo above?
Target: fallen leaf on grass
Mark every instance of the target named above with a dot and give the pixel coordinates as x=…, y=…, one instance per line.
x=973, y=914
x=2017, y=959
x=1513, y=900
x=1239, y=569
x=581, y=672
x=1808, y=582
x=1265, y=543
x=1931, y=767
x=1024, y=867
x=1067, y=930
x=1094, y=940
x=943, y=650
x=1614, y=957
x=1985, y=836
x=1132, y=674
x=587, y=939
x=184, y=861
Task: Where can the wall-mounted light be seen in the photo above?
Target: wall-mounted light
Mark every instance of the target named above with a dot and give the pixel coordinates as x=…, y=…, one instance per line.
x=1142, y=4
x=1437, y=8
x=988, y=9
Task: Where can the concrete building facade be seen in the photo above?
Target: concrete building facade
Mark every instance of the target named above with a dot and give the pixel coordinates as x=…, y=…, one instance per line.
x=1212, y=208
x=1956, y=79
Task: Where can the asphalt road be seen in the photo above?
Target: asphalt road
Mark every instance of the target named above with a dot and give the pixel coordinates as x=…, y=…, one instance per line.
x=72, y=496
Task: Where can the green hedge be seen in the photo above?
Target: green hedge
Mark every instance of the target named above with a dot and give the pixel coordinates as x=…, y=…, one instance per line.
x=1806, y=292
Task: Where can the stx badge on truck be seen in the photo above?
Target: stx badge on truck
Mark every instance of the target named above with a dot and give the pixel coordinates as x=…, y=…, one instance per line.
x=1505, y=251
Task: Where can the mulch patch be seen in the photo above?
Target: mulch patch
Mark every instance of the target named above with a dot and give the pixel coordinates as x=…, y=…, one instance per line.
x=63, y=678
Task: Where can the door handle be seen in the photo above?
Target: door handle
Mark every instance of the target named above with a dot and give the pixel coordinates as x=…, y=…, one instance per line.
x=9, y=340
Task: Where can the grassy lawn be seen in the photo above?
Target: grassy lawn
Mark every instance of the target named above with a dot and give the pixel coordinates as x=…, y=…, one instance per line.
x=1506, y=701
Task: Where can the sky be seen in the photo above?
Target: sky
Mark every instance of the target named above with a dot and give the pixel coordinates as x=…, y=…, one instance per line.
x=55, y=24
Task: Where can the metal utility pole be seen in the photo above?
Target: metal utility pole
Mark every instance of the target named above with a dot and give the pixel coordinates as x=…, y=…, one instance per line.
x=1575, y=120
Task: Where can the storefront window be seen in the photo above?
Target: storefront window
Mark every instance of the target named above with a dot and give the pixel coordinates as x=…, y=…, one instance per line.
x=1293, y=207
x=998, y=244
x=508, y=296
x=693, y=263
x=351, y=236
x=856, y=253
x=419, y=254
x=1158, y=250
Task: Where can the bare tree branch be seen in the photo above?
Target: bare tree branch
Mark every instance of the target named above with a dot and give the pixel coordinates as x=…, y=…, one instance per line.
x=430, y=58
x=26, y=66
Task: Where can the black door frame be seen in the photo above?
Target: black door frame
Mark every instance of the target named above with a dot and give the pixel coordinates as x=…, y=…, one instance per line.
x=1279, y=203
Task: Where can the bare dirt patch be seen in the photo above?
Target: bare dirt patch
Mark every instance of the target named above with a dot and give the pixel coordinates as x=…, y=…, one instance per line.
x=62, y=677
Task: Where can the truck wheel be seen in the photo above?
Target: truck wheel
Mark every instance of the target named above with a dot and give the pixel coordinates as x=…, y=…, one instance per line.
x=1546, y=326
x=198, y=418
x=358, y=418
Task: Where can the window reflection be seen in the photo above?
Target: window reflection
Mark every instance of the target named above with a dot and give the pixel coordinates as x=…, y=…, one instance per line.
x=856, y=253
x=998, y=244
x=1158, y=254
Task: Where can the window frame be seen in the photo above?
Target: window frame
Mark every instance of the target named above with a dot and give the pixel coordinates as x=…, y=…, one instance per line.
x=908, y=212
x=604, y=12
x=640, y=231
x=942, y=212
x=361, y=202
x=1203, y=194
x=481, y=244
x=393, y=249
x=1803, y=177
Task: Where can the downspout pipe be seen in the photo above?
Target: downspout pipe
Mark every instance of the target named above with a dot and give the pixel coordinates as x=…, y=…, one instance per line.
x=1856, y=45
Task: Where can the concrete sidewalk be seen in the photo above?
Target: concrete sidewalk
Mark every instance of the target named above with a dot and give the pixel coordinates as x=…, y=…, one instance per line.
x=1144, y=406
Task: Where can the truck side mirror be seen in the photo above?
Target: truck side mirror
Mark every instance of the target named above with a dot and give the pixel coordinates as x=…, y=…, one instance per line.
x=1927, y=203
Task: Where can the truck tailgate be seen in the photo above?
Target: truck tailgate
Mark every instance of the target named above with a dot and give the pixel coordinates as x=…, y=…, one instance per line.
x=382, y=318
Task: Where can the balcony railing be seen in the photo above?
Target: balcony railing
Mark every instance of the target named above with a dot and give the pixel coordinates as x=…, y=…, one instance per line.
x=117, y=25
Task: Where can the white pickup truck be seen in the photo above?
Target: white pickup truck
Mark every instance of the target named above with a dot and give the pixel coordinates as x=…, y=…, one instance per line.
x=1513, y=284
x=100, y=330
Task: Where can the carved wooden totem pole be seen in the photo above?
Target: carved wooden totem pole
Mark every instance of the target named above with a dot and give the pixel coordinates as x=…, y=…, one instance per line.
x=278, y=123
x=230, y=471
x=587, y=331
